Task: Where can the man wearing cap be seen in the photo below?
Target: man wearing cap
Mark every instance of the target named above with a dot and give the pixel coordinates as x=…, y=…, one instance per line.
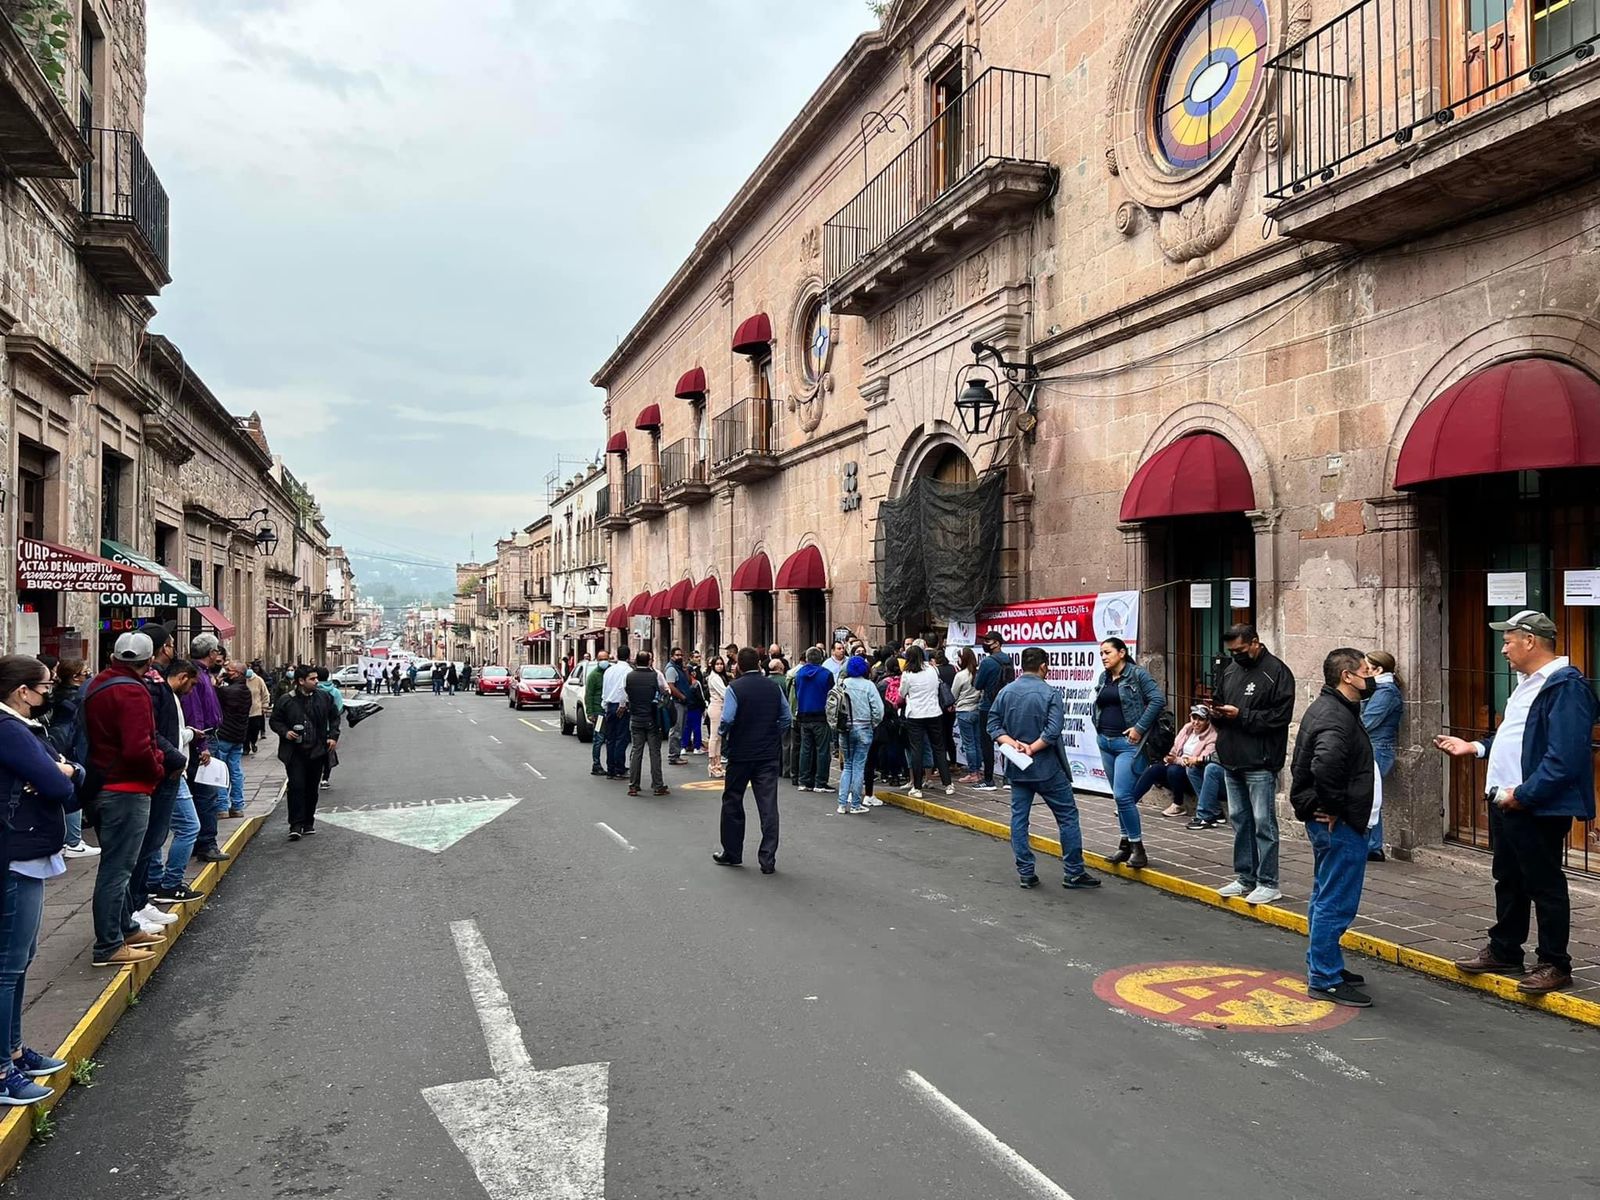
x=125, y=766
x=1540, y=776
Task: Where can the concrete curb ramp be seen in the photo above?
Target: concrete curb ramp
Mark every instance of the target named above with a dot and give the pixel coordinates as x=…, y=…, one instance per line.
x=16, y=1129
x=1559, y=1003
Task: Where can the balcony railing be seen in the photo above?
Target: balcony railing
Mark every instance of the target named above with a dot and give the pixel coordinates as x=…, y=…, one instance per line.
x=1386, y=73
x=684, y=464
x=118, y=184
x=994, y=120
x=642, y=486
x=602, y=503
x=745, y=429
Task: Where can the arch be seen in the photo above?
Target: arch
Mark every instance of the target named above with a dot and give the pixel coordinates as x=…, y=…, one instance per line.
x=924, y=444
x=1560, y=336
x=1202, y=416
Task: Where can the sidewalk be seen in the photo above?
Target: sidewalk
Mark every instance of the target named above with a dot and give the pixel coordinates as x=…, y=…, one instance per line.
x=1418, y=914
x=69, y=1006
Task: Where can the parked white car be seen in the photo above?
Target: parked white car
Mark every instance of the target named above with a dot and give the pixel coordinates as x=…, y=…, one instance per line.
x=573, y=717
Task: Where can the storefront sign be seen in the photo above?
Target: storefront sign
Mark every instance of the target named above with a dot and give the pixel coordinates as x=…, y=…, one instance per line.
x=1238, y=593
x=46, y=567
x=277, y=612
x=961, y=633
x=1581, y=589
x=1507, y=589
x=143, y=600
x=1070, y=631
x=640, y=628
x=1199, y=595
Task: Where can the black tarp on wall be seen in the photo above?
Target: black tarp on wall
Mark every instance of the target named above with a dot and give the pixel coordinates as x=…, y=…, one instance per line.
x=939, y=548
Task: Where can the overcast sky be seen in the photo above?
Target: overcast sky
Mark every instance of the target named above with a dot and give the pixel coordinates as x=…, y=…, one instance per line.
x=409, y=231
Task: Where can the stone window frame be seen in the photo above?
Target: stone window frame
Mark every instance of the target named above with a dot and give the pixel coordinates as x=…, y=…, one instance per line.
x=1150, y=30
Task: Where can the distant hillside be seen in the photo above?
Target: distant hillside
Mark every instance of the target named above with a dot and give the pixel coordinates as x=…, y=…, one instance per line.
x=388, y=582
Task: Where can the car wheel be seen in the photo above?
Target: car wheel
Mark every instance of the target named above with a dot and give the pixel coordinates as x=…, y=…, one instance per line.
x=567, y=727
x=585, y=730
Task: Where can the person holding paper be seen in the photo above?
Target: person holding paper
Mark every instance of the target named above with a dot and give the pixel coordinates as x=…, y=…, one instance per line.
x=1025, y=722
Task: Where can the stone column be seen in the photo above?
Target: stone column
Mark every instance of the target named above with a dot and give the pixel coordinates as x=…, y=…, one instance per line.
x=1268, y=526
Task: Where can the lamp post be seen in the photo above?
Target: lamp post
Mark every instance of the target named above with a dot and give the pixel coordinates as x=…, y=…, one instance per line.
x=976, y=404
x=265, y=536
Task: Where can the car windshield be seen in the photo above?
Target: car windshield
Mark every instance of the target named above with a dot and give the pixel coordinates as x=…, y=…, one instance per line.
x=495, y=672
x=537, y=673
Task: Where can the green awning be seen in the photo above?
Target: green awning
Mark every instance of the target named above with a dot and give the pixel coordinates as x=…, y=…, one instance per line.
x=174, y=593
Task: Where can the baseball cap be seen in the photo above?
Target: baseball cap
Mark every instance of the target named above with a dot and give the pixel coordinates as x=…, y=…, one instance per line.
x=133, y=648
x=1527, y=621
x=1200, y=710
x=993, y=637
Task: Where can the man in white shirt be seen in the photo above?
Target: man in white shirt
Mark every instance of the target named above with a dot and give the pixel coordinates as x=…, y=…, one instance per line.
x=1540, y=776
x=836, y=661
x=614, y=696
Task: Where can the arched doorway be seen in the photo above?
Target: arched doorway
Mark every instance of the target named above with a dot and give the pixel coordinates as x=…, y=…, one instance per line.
x=924, y=529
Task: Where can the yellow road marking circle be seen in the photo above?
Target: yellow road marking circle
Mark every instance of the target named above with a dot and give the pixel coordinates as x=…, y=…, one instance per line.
x=1219, y=996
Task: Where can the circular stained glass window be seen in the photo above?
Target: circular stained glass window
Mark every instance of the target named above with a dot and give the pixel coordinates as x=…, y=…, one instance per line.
x=1211, y=73
x=818, y=332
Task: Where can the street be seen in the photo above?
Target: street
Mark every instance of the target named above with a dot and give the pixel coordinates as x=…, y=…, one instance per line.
x=887, y=1016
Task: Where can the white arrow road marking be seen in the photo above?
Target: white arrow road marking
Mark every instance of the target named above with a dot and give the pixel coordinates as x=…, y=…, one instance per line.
x=624, y=842
x=1035, y=1180
x=534, y=769
x=527, y=1133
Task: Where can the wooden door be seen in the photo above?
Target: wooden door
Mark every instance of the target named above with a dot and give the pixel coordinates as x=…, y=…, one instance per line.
x=946, y=159
x=1487, y=46
x=1211, y=553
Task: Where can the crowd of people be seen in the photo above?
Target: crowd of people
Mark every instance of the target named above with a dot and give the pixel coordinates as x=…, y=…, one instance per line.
x=892, y=717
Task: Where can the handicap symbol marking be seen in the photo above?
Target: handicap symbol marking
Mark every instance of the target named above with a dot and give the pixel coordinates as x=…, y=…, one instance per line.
x=1215, y=996
x=432, y=825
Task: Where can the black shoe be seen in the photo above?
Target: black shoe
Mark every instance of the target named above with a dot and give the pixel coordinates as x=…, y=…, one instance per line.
x=1138, y=858
x=1124, y=852
x=1377, y=856
x=182, y=894
x=212, y=854
x=1028, y=881
x=1085, y=880
x=596, y=771
x=309, y=830
x=1208, y=823
x=768, y=870
x=1344, y=994
x=294, y=834
x=1352, y=977
x=722, y=860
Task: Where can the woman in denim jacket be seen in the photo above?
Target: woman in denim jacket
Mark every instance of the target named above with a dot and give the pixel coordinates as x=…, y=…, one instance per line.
x=1127, y=703
x=1380, y=717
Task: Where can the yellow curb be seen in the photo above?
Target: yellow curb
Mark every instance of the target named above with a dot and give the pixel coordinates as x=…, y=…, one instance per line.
x=16, y=1128
x=1572, y=1007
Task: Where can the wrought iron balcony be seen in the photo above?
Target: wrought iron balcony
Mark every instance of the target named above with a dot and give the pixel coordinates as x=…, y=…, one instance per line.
x=1399, y=117
x=123, y=238
x=744, y=441
x=685, y=471
x=641, y=490
x=978, y=161
x=604, y=516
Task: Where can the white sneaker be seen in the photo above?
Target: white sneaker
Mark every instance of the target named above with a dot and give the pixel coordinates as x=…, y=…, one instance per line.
x=148, y=926
x=872, y=802
x=1233, y=889
x=155, y=916
x=915, y=793
x=80, y=850
x=807, y=789
x=1263, y=895
x=842, y=810
x=950, y=790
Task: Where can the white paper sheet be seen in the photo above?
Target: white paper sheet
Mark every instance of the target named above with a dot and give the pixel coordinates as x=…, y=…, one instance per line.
x=1013, y=755
x=213, y=773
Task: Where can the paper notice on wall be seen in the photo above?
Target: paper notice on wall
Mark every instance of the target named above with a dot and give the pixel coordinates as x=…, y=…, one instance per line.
x=1238, y=593
x=27, y=633
x=1199, y=595
x=1581, y=589
x=1508, y=589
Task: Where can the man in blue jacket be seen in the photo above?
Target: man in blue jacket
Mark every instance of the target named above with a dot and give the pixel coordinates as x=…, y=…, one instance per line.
x=812, y=683
x=1540, y=776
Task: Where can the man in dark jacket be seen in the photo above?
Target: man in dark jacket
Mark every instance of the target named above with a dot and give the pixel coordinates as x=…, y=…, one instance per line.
x=125, y=767
x=233, y=695
x=642, y=690
x=755, y=716
x=1332, y=782
x=594, y=706
x=307, y=725
x=1540, y=776
x=1252, y=710
x=994, y=672
x=165, y=687
x=812, y=683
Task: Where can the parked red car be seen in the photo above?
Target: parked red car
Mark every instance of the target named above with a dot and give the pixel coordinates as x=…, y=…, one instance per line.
x=536, y=685
x=492, y=681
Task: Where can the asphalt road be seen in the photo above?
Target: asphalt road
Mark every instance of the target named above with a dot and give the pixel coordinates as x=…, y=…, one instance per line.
x=761, y=1031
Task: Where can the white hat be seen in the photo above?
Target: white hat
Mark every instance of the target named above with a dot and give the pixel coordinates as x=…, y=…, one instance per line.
x=133, y=648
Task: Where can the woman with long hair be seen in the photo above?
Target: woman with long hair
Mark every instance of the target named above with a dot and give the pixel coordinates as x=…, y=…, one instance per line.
x=66, y=698
x=1127, y=703
x=36, y=785
x=716, y=688
x=1380, y=717
x=924, y=713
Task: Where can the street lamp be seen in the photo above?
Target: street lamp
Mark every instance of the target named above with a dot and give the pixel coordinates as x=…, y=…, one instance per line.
x=976, y=404
x=266, y=534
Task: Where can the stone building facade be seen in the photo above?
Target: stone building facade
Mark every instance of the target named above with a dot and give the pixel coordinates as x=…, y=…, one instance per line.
x=580, y=591
x=1270, y=343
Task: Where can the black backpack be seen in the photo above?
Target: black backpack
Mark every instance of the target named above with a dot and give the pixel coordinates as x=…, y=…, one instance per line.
x=1158, y=742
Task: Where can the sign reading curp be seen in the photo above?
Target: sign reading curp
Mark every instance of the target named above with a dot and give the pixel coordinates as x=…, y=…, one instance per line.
x=47, y=567
x=1070, y=630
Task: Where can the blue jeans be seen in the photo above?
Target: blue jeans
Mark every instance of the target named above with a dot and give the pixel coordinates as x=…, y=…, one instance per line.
x=1206, y=783
x=124, y=816
x=74, y=828
x=815, y=741
x=1339, y=857
x=1375, y=836
x=166, y=872
x=596, y=742
x=1255, y=825
x=616, y=742
x=162, y=801
x=1121, y=759
x=691, y=729
x=1058, y=798
x=853, y=774
x=1168, y=775
x=232, y=753
x=968, y=724
x=19, y=938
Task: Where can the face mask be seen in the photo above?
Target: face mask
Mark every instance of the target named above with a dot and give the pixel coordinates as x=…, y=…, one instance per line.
x=1242, y=657
x=1367, y=685
x=249, y=674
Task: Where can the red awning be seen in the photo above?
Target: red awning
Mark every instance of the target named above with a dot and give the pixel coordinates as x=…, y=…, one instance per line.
x=618, y=443
x=754, y=335
x=278, y=612
x=650, y=418
x=754, y=574
x=658, y=605
x=617, y=618
x=47, y=567
x=803, y=571
x=639, y=606
x=707, y=597
x=214, y=618
x=1201, y=473
x=679, y=596
x=1529, y=414
x=692, y=386
x=538, y=635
